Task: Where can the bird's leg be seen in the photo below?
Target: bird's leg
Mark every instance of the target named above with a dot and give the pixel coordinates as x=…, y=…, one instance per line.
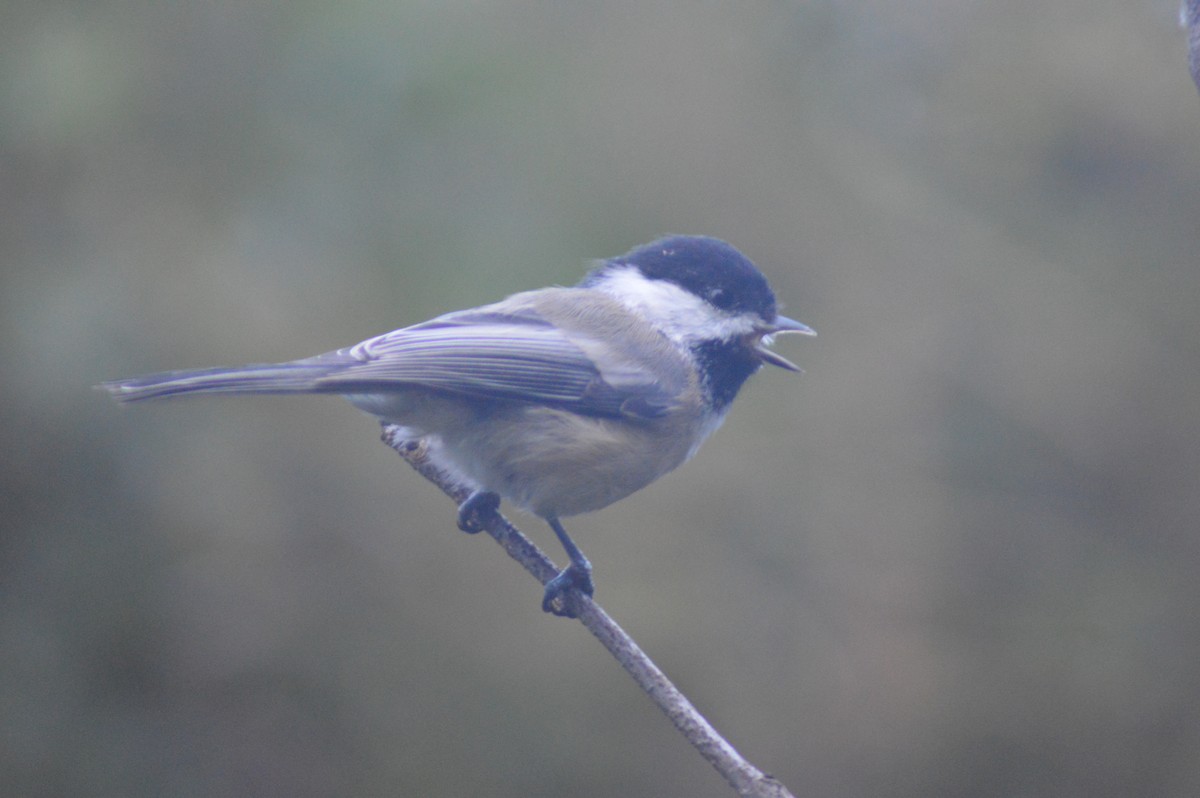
x=577, y=576
x=477, y=510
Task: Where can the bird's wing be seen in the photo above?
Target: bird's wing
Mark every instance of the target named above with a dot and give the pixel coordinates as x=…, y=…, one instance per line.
x=506, y=355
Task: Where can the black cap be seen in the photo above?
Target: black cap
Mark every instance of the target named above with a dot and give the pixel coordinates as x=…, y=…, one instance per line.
x=707, y=267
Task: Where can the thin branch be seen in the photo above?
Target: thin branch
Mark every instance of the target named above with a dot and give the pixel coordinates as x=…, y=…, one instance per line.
x=1189, y=16
x=744, y=777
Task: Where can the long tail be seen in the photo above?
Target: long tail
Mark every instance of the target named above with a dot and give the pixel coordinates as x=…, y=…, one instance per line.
x=297, y=377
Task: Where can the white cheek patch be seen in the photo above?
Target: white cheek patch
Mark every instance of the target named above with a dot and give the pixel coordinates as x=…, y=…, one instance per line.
x=679, y=313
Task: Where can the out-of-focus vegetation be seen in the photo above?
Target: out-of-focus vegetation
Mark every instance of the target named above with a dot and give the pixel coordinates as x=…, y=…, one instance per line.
x=958, y=557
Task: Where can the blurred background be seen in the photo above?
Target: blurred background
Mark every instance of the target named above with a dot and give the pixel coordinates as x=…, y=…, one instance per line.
x=958, y=557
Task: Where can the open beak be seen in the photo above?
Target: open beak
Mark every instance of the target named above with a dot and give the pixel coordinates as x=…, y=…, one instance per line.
x=783, y=325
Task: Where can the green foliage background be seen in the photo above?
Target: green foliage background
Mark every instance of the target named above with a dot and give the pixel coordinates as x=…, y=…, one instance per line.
x=958, y=557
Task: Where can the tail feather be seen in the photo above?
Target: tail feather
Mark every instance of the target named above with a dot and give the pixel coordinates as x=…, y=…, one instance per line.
x=265, y=378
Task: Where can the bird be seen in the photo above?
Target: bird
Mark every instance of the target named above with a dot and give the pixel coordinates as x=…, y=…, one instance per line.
x=560, y=400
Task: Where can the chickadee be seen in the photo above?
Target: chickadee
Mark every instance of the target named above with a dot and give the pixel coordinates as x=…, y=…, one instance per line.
x=560, y=400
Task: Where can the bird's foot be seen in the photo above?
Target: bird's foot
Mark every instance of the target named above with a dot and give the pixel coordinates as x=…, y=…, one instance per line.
x=562, y=597
x=477, y=511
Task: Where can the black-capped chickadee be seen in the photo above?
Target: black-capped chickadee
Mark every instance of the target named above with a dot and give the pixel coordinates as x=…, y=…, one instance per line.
x=560, y=400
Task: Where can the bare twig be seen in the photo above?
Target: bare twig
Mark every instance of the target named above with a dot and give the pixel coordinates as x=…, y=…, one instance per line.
x=745, y=778
x=1189, y=15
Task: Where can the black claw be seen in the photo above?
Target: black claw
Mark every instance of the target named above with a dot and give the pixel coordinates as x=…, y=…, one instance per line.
x=563, y=591
x=477, y=511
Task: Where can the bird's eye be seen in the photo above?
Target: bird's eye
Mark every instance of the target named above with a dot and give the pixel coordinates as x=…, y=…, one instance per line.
x=719, y=297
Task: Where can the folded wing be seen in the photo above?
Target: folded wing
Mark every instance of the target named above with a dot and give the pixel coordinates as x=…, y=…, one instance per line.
x=506, y=356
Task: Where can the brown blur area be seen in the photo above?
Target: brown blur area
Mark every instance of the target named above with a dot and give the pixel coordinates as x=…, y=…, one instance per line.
x=957, y=557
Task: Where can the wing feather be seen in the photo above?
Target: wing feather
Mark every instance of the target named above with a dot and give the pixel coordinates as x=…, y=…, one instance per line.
x=487, y=354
